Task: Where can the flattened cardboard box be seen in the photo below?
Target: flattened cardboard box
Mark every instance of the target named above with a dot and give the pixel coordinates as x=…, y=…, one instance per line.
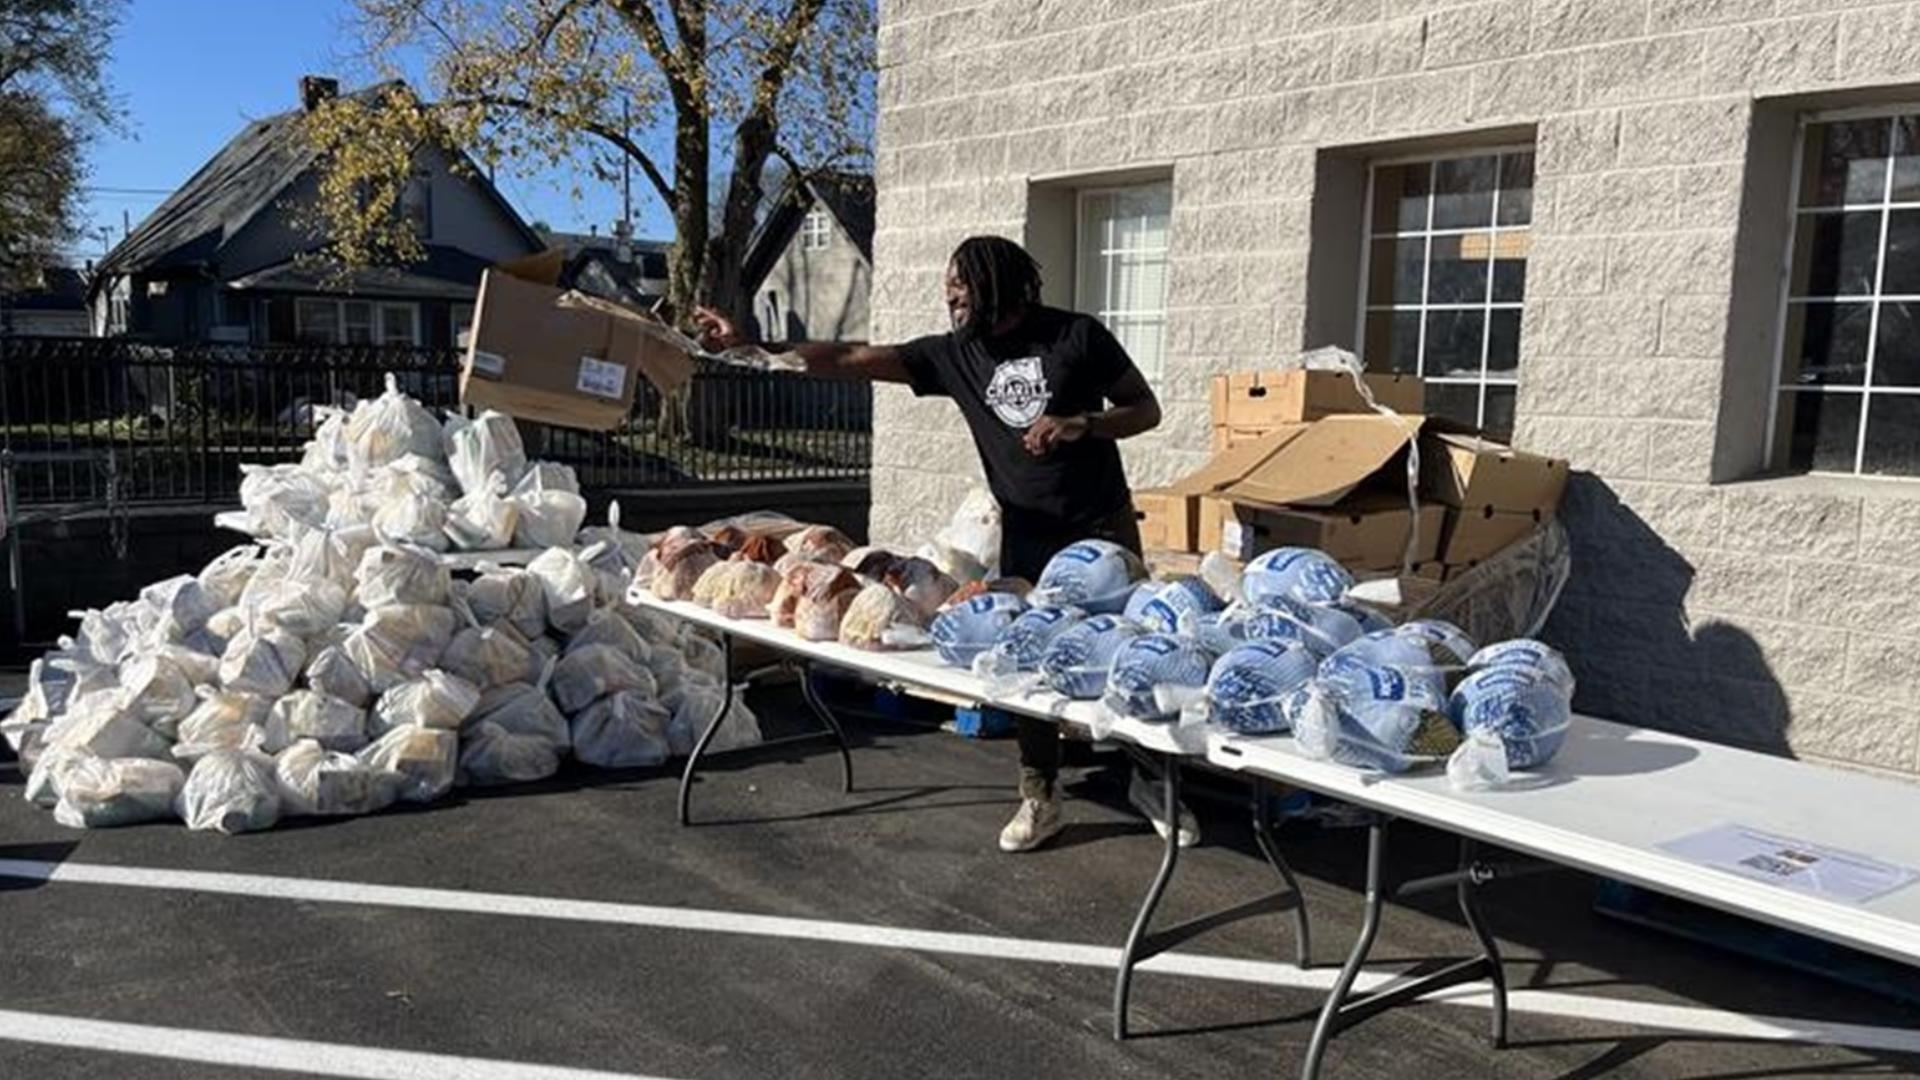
x=1467, y=471
x=1258, y=399
x=1315, y=464
x=1169, y=521
x=541, y=353
x=1477, y=535
x=1370, y=535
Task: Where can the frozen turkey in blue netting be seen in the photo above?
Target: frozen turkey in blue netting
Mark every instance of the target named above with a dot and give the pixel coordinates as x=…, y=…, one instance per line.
x=1173, y=599
x=1390, y=648
x=1451, y=645
x=1137, y=600
x=1220, y=631
x=1076, y=663
x=1291, y=573
x=1522, y=707
x=1248, y=685
x=1528, y=654
x=1096, y=576
x=965, y=630
x=1149, y=663
x=1025, y=640
x=1322, y=628
x=1370, y=620
x=1381, y=716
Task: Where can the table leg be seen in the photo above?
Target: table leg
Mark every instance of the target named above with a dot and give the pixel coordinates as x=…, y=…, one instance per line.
x=832, y=723
x=1137, y=937
x=1469, y=898
x=1263, y=835
x=706, y=737
x=1329, y=1023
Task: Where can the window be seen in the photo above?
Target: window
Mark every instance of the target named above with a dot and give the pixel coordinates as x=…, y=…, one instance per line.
x=1121, y=267
x=1444, y=273
x=355, y=322
x=817, y=230
x=1848, y=396
x=460, y=324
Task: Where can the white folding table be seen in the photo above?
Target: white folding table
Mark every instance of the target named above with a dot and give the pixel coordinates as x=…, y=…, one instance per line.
x=1153, y=744
x=1605, y=804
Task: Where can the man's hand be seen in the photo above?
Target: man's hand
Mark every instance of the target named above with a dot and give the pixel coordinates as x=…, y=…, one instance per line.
x=716, y=331
x=1050, y=431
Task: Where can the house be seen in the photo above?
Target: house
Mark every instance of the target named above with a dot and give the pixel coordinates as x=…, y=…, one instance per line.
x=809, y=268
x=222, y=258
x=1672, y=242
x=56, y=307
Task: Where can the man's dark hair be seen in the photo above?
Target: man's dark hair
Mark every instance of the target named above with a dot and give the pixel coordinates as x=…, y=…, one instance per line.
x=1001, y=278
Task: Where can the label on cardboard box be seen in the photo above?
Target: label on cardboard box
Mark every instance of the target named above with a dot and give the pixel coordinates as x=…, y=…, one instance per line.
x=492, y=365
x=601, y=378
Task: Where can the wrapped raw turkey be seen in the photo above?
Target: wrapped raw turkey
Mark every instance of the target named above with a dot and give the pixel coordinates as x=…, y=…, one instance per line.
x=514, y=597
x=315, y=781
x=1299, y=574
x=1096, y=576
x=737, y=590
x=881, y=618
x=424, y=758
x=870, y=561
x=821, y=543
x=309, y=714
x=728, y=536
x=484, y=451
x=1079, y=657
x=967, y=629
x=681, y=562
x=759, y=548
x=924, y=585
x=823, y=604
x=795, y=582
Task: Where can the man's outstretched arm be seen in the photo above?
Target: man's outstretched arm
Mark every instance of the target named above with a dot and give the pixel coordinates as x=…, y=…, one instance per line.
x=826, y=359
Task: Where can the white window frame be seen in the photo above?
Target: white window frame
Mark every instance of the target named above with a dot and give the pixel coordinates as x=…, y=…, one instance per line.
x=1487, y=305
x=1102, y=307
x=376, y=312
x=817, y=230
x=456, y=324
x=1777, y=456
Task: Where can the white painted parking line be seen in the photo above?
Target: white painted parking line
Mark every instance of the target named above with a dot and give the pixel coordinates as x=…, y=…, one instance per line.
x=278, y=1055
x=1691, y=1019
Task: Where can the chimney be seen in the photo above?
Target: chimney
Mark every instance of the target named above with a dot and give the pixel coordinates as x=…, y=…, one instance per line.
x=315, y=89
x=623, y=241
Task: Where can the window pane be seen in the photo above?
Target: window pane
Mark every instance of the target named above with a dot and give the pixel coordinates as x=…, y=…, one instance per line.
x=1400, y=197
x=1453, y=342
x=1906, y=161
x=1516, y=189
x=1821, y=430
x=1459, y=271
x=1896, y=351
x=1144, y=341
x=1510, y=266
x=1393, y=342
x=1826, y=344
x=1901, y=275
x=1893, y=435
x=1463, y=192
x=1394, y=271
x=1833, y=254
x=1458, y=402
x=1503, y=341
x=1499, y=421
x=1845, y=163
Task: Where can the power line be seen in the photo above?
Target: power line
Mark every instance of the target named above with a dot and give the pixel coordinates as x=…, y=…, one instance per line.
x=125, y=190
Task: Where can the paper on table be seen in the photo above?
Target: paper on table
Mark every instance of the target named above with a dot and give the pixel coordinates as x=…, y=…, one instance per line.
x=1792, y=864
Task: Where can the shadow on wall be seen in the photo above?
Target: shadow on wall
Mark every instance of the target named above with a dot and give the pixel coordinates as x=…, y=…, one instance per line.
x=1639, y=657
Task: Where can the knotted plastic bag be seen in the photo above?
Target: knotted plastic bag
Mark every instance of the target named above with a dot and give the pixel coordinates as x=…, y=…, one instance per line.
x=523, y=710
x=551, y=509
x=625, y=729
x=397, y=642
x=514, y=597
x=490, y=656
x=301, y=608
x=157, y=692
x=424, y=758
x=314, y=781
x=1298, y=574
x=228, y=574
x=309, y=714
x=181, y=606
x=437, y=699
x=280, y=499
x=263, y=661
x=385, y=429
x=99, y=724
x=966, y=630
x=230, y=791
x=482, y=520
x=333, y=672
x=102, y=793
x=484, y=451
x=594, y=671
x=223, y=720
x=606, y=627
x=490, y=754
x=1096, y=576
x=567, y=586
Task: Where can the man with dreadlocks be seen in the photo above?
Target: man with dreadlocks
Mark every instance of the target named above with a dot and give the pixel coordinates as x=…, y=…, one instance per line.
x=1047, y=394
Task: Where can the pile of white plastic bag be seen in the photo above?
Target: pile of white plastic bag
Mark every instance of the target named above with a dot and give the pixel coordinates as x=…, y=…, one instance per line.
x=336, y=667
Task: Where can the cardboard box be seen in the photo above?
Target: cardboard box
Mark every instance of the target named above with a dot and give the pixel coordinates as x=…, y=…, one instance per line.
x=1261, y=399
x=1476, y=535
x=1226, y=438
x=1369, y=535
x=1166, y=564
x=1169, y=521
x=541, y=353
x=1470, y=472
x=1313, y=464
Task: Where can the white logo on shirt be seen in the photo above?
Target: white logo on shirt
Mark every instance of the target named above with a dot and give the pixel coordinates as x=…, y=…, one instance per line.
x=1018, y=392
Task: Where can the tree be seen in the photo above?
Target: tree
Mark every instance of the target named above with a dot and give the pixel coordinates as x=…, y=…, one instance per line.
x=53, y=100
x=723, y=86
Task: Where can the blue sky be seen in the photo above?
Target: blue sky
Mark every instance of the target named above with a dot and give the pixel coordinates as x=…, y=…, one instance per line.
x=191, y=73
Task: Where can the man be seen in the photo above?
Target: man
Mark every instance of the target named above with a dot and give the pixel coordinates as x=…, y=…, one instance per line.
x=1046, y=394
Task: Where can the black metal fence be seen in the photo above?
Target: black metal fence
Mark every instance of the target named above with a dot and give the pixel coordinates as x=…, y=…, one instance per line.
x=102, y=420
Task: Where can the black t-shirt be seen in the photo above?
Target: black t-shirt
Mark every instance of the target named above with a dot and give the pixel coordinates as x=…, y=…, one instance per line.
x=1056, y=363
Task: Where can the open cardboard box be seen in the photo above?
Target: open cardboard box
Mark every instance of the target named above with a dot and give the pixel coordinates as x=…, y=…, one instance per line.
x=539, y=352
x=1313, y=464
x=1462, y=469
x=1263, y=399
x=1369, y=532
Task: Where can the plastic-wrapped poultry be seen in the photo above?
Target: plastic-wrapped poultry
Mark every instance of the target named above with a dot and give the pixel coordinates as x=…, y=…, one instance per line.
x=737, y=590
x=1011, y=586
x=870, y=562
x=924, y=585
x=759, y=548
x=823, y=604
x=681, y=562
x=879, y=617
x=795, y=582
x=823, y=543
